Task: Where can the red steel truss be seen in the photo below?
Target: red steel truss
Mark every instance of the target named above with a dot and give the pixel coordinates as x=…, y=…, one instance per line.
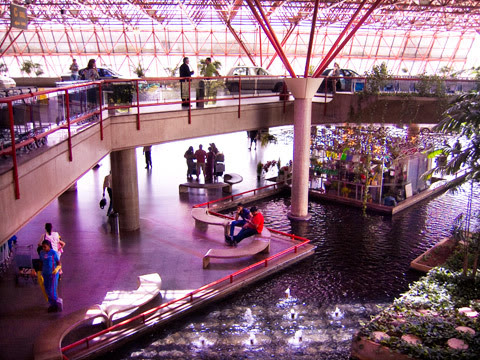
x=411, y=35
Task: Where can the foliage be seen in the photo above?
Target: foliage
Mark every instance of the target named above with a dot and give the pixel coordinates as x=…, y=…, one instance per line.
x=29, y=67
x=3, y=68
x=462, y=119
x=377, y=79
x=431, y=84
x=429, y=310
x=172, y=71
x=139, y=70
x=122, y=93
x=266, y=138
x=202, y=66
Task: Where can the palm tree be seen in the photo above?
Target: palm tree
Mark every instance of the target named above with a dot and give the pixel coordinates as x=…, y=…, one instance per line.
x=462, y=119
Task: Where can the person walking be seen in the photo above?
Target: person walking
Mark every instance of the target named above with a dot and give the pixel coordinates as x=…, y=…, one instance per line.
x=190, y=156
x=74, y=70
x=252, y=227
x=200, y=155
x=51, y=266
x=185, y=72
x=55, y=239
x=107, y=184
x=147, y=151
x=253, y=135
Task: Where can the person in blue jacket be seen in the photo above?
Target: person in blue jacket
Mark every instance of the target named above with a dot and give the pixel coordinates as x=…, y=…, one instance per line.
x=241, y=216
x=50, y=271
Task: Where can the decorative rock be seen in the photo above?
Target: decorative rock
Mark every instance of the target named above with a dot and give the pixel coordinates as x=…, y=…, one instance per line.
x=465, y=329
x=457, y=344
x=380, y=335
x=471, y=314
x=411, y=339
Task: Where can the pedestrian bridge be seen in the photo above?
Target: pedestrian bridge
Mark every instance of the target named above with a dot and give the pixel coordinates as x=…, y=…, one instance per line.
x=34, y=178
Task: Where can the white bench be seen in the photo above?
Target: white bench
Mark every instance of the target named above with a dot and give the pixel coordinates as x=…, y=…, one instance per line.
x=183, y=188
x=118, y=304
x=203, y=219
x=231, y=179
x=49, y=347
x=259, y=244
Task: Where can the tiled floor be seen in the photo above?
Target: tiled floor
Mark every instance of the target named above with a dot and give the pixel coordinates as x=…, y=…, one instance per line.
x=96, y=261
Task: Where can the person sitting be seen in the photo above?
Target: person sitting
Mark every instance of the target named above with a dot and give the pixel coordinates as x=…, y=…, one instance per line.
x=242, y=213
x=389, y=201
x=252, y=227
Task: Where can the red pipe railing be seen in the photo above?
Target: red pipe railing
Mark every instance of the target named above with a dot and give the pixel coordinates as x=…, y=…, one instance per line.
x=151, y=314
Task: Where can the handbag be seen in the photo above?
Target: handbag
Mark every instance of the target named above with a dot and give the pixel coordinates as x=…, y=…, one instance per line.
x=103, y=202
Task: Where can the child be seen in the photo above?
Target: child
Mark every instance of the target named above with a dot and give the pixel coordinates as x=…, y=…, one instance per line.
x=50, y=267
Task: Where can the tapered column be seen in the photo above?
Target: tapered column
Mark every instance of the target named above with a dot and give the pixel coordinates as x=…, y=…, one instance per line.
x=303, y=90
x=125, y=188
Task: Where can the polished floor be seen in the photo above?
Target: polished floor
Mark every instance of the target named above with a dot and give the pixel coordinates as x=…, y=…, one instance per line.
x=96, y=261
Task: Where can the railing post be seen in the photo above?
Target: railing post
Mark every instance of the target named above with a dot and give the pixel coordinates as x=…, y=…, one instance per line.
x=67, y=101
x=189, y=100
x=239, y=95
x=138, y=105
x=231, y=279
x=100, y=91
x=14, y=151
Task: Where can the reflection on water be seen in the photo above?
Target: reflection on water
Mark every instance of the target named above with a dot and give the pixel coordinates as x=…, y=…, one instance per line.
x=312, y=309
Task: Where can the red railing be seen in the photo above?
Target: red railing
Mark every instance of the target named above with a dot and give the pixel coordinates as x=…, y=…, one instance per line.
x=151, y=314
x=99, y=107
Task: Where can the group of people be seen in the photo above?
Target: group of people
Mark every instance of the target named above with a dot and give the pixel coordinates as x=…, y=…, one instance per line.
x=50, y=249
x=251, y=223
x=202, y=161
x=187, y=72
x=90, y=72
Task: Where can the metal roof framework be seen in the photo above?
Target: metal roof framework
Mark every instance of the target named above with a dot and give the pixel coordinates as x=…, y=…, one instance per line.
x=292, y=37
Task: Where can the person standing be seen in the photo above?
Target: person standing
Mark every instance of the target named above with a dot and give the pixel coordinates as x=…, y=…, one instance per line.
x=210, y=69
x=190, y=156
x=252, y=227
x=200, y=155
x=74, y=69
x=91, y=72
x=107, y=184
x=210, y=165
x=147, y=151
x=55, y=239
x=336, y=76
x=241, y=216
x=185, y=72
x=51, y=266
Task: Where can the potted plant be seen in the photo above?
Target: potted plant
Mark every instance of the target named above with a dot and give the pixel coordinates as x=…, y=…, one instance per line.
x=121, y=94
x=211, y=86
x=259, y=170
x=139, y=71
x=28, y=67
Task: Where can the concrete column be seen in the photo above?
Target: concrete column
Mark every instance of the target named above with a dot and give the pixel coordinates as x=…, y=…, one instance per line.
x=125, y=188
x=303, y=90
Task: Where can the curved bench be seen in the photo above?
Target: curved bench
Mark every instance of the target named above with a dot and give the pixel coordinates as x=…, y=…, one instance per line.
x=119, y=304
x=260, y=244
x=49, y=347
x=203, y=219
x=183, y=188
x=231, y=179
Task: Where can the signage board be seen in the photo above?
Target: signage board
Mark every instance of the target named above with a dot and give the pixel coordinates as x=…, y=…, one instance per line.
x=18, y=17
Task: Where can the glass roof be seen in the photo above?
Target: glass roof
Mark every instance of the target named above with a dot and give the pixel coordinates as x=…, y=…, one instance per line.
x=419, y=35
